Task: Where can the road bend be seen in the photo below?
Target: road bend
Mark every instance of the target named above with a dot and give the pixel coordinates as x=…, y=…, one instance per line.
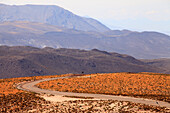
x=30, y=86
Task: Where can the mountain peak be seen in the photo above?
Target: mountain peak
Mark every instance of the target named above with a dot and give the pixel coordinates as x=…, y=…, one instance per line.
x=50, y=14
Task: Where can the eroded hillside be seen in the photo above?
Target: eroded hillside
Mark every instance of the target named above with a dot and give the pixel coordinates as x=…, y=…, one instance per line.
x=20, y=61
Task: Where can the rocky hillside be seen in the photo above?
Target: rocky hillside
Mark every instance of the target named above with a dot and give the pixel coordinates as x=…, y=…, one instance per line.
x=164, y=63
x=28, y=61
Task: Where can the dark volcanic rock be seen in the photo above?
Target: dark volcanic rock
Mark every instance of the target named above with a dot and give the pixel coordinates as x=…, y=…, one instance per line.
x=28, y=61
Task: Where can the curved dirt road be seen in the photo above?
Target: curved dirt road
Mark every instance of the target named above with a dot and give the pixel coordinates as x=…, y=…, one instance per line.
x=30, y=86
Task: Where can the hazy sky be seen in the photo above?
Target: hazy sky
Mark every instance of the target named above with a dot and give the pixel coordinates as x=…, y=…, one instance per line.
x=140, y=15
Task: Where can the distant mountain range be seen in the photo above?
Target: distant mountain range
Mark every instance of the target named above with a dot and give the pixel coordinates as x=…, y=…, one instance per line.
x=28, y=61
x=49, y=14
x=53, y=26
x=146, y=45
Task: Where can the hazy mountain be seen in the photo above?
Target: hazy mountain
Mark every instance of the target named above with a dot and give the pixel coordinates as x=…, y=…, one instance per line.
x=42, y=35
x=147, y=45
x=19, y=27
x=29, y=61
x=27, y=28
x=49, y=14
x=117, y=33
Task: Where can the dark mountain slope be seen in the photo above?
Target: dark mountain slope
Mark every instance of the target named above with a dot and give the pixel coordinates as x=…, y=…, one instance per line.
x=28, y=61
x=163, y=63
x=52, y=15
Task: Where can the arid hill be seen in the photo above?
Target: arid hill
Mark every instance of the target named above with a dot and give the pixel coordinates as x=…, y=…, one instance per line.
x=163, y=63
x=28, y=61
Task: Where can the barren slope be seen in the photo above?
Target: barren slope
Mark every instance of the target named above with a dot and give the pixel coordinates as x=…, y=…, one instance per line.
x=28, y=61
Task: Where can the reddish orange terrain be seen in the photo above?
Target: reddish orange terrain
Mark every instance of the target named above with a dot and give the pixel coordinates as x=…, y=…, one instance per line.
x=13, y=100
x=147, y=85
x=8, y=86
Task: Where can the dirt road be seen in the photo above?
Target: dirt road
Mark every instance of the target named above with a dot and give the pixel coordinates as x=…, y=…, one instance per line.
x=30, y=86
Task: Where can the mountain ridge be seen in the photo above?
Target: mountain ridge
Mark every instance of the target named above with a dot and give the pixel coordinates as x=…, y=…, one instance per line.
x=20, y=61
x=146, y=45
x=50, y=14
x=86, y=34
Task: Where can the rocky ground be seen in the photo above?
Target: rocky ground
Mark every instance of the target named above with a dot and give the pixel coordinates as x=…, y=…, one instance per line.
x=35, y=103
x=13, y=100
x=102, y=106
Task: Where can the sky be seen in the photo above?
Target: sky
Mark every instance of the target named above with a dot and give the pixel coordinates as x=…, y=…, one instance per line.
x=135, y=15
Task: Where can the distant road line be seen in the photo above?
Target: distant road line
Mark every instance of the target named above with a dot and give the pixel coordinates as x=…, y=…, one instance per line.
x=30, y=86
